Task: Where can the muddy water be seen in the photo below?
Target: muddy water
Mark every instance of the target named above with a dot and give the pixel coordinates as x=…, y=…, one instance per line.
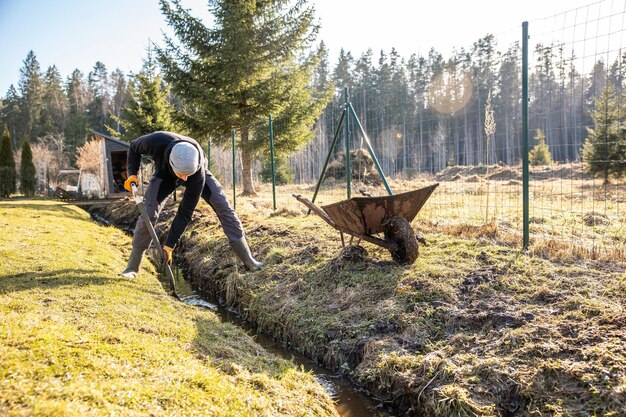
x=349, y=401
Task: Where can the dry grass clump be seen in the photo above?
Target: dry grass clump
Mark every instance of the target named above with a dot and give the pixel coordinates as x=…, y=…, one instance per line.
x=489, y=231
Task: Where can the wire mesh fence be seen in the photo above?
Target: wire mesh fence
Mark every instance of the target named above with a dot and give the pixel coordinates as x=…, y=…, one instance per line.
x=457, y=120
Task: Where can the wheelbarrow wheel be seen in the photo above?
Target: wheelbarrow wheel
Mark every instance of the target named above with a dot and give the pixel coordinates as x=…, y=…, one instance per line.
x=399, y=231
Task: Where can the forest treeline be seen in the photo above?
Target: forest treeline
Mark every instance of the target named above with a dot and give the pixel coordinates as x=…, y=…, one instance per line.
x=422, y=113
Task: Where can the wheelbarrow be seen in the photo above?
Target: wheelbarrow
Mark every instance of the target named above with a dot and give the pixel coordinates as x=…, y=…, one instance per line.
x=364, y=217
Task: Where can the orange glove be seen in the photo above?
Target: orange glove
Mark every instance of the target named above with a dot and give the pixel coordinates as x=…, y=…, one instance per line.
x=131, y=180
x=167, y=255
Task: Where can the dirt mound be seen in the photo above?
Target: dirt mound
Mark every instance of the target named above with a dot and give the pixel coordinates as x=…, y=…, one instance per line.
x=505, y=174
x=361, y=166
x=512, y=173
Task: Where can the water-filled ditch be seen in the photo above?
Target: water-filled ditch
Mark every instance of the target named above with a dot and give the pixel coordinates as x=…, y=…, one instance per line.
x=349, y=400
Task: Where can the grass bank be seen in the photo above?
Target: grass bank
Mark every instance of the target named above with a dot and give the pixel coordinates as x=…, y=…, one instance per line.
x=76, y=339
x=473, y=328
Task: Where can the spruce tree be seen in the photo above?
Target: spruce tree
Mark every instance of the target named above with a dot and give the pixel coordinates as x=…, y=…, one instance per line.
x=28, y=180
x=53, y=116
x=604, y=146
x=32, y=90
x=251, y=63
x=7, y=165
x=540, y=153
x=147, y=108
x=77, y=124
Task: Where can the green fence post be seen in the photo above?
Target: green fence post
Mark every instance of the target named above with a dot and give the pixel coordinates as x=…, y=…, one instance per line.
x=272, y=161
x=525, y=175
x=232, y=140
x=347, y=133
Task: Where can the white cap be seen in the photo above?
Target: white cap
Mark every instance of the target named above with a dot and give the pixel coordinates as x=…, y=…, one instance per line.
x=184, y=158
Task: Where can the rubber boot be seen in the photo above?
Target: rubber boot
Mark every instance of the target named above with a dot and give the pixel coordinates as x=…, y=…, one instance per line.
x=241, y=249
x=134, y=262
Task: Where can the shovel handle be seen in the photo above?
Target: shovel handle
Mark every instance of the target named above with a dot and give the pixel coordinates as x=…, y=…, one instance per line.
x=138, y=198
x=153, y=235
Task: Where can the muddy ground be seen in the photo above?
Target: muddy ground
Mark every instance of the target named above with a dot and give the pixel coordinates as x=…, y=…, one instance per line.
x=473, y=328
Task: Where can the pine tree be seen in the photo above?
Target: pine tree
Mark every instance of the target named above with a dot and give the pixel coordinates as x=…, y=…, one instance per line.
x=250, y=64
x=120, y=95
x=31, y=89
x=53, y=117
x=28, y=181
x=7, y=166
x=10, y=114
x=604, y=149
x=343, y=73
x=147, y=108
x=100, y=105
x=540, y=153
x=77, y=124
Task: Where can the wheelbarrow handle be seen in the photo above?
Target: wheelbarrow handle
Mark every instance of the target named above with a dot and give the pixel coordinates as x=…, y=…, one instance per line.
x=327, y=219
x=315, y=210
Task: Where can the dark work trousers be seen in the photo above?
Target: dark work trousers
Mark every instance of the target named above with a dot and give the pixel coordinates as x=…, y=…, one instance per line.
x=159, y=190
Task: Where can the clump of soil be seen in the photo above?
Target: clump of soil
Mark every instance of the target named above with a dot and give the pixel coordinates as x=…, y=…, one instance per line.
x=400, y=232
x=595, y=219
x=349, y=256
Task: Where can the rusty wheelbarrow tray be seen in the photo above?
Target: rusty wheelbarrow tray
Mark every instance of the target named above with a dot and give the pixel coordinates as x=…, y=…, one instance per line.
x=363, y=217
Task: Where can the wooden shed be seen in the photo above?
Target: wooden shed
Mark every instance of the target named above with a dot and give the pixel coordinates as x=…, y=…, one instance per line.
x=114, y=155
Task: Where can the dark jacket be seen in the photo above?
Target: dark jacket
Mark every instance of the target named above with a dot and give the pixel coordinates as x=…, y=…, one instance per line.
x=158, y=145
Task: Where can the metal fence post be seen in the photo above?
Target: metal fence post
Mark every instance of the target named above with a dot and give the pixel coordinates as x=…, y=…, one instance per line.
x=272, y=161
x=330, y=153
x=525, y=175
x=232, y=139
x=347, y=133
x=369, y=148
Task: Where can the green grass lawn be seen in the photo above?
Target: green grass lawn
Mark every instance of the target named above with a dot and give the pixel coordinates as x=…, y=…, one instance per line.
x=76, y=339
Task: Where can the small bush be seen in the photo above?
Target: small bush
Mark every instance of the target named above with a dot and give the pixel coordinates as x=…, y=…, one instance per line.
x=282, y=172
x=540, y=153
x=8, y=176
x=28, y=180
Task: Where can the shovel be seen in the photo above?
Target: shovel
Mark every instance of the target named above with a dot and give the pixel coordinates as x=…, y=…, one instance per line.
x=155, y=238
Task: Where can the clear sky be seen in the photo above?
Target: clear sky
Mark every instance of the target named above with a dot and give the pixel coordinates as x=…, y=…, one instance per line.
x=76, y=33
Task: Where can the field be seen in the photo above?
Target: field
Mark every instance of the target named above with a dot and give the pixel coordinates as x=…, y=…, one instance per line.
x=572, y=215
x=475, y=327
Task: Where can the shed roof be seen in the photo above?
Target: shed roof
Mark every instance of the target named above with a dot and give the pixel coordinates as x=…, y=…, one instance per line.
x=121, y=142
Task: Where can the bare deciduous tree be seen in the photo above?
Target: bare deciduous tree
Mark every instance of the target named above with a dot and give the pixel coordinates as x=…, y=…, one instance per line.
x=89, y=159
x=49, y=159
x=88, y=156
